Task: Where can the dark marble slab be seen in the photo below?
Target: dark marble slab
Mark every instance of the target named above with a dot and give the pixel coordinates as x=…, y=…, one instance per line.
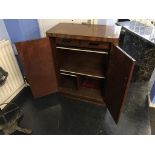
x=147, y=33
x=143, y=52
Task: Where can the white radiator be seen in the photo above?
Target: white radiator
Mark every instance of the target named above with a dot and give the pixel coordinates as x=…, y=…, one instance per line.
x=15, y=82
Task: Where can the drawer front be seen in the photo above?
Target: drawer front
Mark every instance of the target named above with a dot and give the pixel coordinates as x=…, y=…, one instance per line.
x=67, y=42
x=95, y=45
x=83, y=44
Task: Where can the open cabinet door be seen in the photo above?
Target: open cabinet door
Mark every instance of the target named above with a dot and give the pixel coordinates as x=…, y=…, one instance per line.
x=37, y=60
x=119, y=74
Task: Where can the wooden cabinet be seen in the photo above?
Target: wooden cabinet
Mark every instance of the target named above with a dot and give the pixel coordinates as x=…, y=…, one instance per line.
x=81, y=62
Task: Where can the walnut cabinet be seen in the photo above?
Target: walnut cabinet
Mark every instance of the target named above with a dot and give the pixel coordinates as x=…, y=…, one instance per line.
x=80, y=61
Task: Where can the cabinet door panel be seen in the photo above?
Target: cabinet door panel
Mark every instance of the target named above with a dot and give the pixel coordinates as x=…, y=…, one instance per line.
x=119, y=74
x=37, y=60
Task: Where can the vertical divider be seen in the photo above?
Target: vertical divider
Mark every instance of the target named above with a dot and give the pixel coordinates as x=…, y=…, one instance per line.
x=78, y=81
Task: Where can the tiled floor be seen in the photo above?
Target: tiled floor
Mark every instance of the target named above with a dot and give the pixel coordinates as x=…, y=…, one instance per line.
x=56, y=114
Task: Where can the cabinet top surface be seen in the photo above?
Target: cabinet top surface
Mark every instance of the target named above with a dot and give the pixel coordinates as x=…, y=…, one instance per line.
x=85, y=32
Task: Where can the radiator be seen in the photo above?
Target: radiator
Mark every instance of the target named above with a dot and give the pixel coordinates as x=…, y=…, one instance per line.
x=15, y=82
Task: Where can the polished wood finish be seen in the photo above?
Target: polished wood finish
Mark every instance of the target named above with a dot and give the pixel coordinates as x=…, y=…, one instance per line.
x=86, y=32
x=83, y=44
x=73, y=42
x=36, y=57
x=118, y=78
x=74, y=69
x=81, y=62
x=81, y=65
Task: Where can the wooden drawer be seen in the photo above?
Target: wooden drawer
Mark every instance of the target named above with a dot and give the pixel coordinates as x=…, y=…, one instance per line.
x=95, y=45
x=67, y=42
x=83, y=44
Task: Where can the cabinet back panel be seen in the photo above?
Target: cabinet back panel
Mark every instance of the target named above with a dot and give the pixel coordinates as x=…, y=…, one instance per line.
x=77, y=61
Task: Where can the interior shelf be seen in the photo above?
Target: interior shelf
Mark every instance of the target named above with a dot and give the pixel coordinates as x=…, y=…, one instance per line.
x=82, y=50
x=83, y=93
x=83, y=69
x=82, y=63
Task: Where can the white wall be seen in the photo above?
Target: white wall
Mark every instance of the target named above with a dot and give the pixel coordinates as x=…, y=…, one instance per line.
x=46, y=24
x=107, y=21
x=3, y=31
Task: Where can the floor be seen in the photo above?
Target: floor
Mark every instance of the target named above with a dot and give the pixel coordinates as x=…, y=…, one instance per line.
x=58, y=115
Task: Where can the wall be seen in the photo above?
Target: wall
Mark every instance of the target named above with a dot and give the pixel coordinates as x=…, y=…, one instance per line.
x=46, y=24
x=107, y=21
x=22, y=29
x=28, y=29
x=3, y=31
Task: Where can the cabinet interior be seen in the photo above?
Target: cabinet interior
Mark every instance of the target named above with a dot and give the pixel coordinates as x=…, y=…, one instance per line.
x=82, y=73
x=73, y=61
